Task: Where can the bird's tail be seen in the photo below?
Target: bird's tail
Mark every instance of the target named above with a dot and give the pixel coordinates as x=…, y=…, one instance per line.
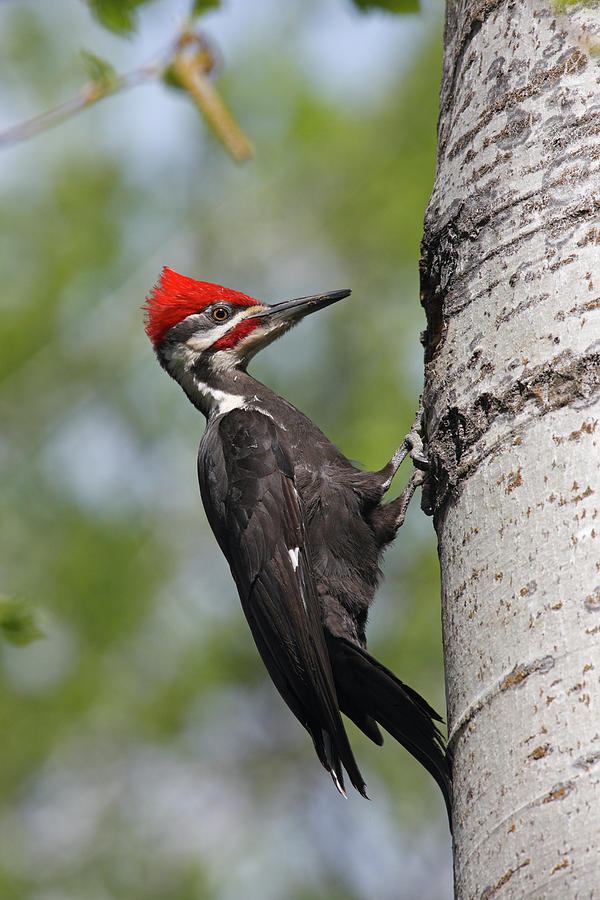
x=369, y=693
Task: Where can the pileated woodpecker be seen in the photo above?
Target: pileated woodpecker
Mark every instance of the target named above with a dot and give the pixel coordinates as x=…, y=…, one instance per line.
x=301, y=527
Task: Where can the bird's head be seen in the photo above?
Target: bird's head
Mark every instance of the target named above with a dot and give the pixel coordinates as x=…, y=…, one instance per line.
x=188, y=321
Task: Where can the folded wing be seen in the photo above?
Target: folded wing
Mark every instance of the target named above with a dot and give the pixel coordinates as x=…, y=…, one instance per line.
x=247, y=485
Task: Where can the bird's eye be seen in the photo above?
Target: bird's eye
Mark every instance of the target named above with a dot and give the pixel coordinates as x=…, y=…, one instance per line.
x=220, y=313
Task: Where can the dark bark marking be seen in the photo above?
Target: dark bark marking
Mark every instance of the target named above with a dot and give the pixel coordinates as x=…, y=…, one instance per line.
x=571, y=62
x=591, y=604
x=585, y=763
x=572, y=129
x=540, y=752
x=522, y=671
x=490, y=891
x=442, y=291
x=562, y=381
x=506, y=315
x=513, y=680
x=579, y=309
x=459, y=33
x=529, y=589
x=559, y=792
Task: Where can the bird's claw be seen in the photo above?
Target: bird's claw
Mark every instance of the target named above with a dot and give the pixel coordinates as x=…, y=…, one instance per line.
x=416, y=450
x=414, y=441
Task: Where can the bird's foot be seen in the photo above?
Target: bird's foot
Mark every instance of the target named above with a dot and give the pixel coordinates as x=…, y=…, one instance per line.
x=387, y=519
x=412, y=446
x=414, y=441
x=402, y=502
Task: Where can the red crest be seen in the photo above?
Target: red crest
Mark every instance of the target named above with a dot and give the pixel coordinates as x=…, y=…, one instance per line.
x=175, y=296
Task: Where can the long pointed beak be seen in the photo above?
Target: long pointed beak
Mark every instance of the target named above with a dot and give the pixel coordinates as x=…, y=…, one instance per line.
x=291, y=311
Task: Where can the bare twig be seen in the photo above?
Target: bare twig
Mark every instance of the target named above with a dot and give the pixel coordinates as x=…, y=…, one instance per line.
x=191, y=64
x=89, y=94
x=189, y=60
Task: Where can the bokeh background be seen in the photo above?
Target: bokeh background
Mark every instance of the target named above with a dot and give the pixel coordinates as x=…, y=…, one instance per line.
x=144, y=752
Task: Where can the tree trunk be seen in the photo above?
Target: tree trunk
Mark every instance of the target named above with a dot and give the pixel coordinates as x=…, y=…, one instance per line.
x=511, y=288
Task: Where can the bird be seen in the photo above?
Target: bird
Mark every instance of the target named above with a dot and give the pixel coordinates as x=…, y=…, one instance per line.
x=301, y=526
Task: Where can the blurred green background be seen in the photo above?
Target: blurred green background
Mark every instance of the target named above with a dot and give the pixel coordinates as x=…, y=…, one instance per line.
x=145, y=753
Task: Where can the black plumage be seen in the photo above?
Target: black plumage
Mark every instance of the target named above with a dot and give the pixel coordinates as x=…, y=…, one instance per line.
x=301, y=527
x=269, y=490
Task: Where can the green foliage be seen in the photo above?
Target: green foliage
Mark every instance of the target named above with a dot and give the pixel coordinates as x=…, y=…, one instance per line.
x=17, y=622
x=394, y=6
x=201, y=6
x=100, y=71
x=120, y=15
x=116, y=15
x=171, y=79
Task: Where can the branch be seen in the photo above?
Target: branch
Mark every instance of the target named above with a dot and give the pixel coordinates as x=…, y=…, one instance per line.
x=191, y=70
x=186, y=66
x=89, y=94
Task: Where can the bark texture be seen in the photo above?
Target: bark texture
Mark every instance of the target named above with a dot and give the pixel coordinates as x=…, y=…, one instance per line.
x=511, y=288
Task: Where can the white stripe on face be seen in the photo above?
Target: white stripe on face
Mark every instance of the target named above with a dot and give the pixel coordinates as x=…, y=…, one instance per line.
x=197, y=343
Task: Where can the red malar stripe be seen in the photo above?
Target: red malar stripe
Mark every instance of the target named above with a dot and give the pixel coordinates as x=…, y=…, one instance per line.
x=237, y=334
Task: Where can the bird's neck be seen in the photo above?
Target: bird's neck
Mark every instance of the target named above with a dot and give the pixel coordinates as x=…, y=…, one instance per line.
x=215, y=392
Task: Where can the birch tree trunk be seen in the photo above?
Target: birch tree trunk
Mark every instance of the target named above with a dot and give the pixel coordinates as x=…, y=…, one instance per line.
x=511, y=288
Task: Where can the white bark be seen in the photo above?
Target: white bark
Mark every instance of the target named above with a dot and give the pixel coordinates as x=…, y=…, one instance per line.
x=511, y=287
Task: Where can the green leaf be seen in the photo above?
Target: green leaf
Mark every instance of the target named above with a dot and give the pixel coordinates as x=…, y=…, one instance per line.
x=171, y=79
x=394, y=6
x=201, y=6
x=99, y=70
x=17, y=622
x=116, y=15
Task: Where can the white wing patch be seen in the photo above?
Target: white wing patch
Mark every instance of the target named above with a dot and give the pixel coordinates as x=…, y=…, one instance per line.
x=294, y=553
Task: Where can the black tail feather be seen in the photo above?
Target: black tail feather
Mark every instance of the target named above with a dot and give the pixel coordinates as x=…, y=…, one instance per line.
x=368, y=691
x=367, y=725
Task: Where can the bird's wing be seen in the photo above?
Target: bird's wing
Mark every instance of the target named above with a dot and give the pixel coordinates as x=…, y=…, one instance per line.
x=247, y=485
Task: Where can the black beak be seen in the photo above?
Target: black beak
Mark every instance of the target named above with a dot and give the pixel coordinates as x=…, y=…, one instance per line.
x=291, y=311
